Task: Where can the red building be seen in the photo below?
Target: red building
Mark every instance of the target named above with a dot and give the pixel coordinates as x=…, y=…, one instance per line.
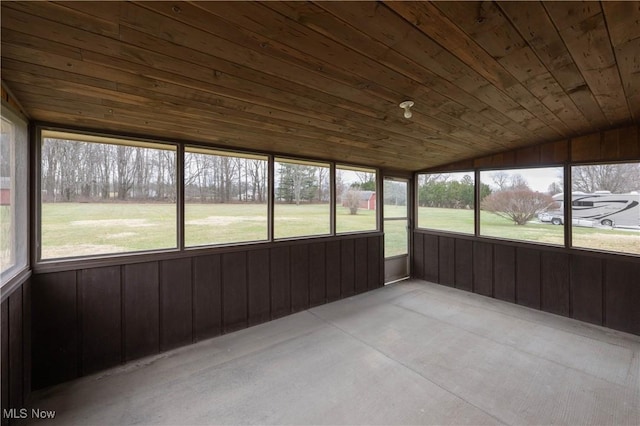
x=367, y=200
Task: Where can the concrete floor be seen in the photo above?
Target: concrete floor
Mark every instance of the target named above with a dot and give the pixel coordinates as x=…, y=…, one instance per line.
x=409, y=353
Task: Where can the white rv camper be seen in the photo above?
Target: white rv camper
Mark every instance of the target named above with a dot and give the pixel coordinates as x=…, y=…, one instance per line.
x=601, y=207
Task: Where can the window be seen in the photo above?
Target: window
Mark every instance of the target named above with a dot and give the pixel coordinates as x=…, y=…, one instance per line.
x=355, y=199
x=446, y=201
x=103, y=195
x=226, y=197
x=605, y=207
x=522, y=204
x=302, y=198
x=13, y=195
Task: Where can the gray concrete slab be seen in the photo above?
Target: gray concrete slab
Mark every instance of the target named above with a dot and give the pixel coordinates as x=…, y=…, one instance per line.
x=409, y=353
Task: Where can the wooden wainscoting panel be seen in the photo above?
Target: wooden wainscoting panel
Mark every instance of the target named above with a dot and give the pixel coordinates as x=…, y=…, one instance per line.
x=317, y=274
x=334, y=269
x=207, y=296
x=447, y=264
x=4, y=361
x=16, y=351
x=556, y=293
x=300, y=278
x=504, y=272
x=347, y=268
x=586, y=288
x=622, y=293
x=56, y=331
x=375, y=263
x=280, y=282
x=431, y=258
x=234, y=291
x=483, y=268
x=528, y=277
x=176, y=305
x=101, y=318
x=361, y=265
x=141, y=298
x=259, y=286
x=418, y=256
x=464, y=264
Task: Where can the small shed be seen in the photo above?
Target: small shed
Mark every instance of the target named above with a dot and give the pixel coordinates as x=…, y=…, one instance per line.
x=5, y=191
x=367, y=200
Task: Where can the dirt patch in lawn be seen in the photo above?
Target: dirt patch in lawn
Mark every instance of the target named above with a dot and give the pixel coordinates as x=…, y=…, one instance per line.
x=120, y=235
x=107, y=223
x=224, y=220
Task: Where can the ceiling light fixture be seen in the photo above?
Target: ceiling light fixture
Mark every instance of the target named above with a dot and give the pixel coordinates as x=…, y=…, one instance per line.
x=406, y=105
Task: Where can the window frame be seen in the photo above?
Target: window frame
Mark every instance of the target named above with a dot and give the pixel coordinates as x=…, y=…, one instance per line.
x=475, y=176
x=568, y=207
x=512, y=169
x=85, y=261
x=105, y=138
x=566, y=167
x=314, y=163
x=20, y=185
x=199, y=149
x=343, y=166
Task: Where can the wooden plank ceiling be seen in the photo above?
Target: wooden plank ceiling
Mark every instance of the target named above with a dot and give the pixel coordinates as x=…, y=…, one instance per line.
x=324, y=79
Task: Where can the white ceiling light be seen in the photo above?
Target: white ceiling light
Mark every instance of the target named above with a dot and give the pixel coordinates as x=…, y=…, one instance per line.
x=406, y=105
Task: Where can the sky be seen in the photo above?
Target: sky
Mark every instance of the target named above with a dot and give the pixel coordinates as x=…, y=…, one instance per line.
x=538, y=179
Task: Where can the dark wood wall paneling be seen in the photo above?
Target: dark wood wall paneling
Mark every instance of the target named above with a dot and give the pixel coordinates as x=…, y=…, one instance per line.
x=600, y=289
x=95, y=318
x=620, y=144
x=446, y=263
x=15, y=314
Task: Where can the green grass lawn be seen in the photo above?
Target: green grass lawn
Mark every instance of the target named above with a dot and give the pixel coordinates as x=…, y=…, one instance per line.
x=395, y=238
x=491, y=225
x=80, y=229
x=6, y=225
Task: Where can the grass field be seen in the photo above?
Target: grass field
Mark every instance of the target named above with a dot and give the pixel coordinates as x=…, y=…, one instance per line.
x=491, y=225
x=6, y=256
x=80, y=229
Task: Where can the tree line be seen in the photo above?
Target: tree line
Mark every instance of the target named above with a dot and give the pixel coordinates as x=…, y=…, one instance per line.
x=86, y=171
x=442, y=191
x=76, y=171
x=225, y=179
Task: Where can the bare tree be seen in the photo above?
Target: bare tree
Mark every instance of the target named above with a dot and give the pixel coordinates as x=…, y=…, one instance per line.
x=617, y=178
x=323, y=180
x=501, y=180
x=258, y=173
x=554, y=188
x=517, y=205
x=352, y=199
x=124, y=171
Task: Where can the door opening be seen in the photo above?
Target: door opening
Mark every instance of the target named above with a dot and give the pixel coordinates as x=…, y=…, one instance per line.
x=395, y=212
